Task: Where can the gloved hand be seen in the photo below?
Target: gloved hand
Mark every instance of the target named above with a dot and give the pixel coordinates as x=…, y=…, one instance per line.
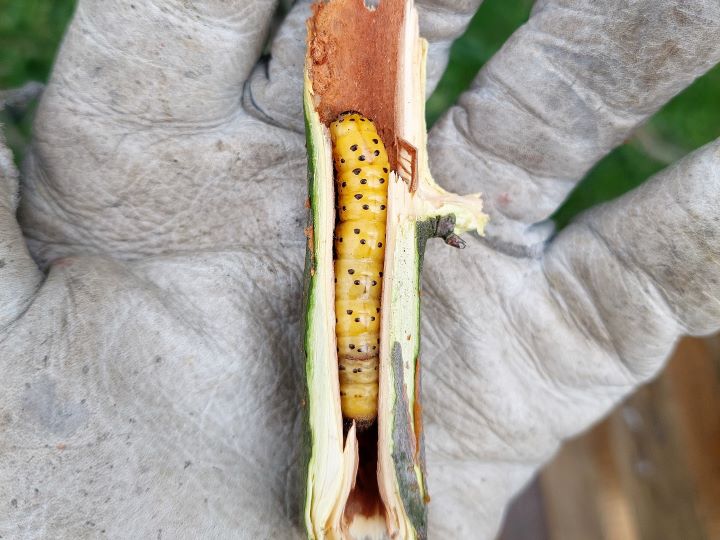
x=147, y=381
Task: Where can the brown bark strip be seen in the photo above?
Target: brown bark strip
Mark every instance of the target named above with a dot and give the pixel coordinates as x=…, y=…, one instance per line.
x=354, y=60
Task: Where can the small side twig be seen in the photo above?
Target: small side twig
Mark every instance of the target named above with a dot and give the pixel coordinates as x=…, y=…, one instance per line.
x=444, y=230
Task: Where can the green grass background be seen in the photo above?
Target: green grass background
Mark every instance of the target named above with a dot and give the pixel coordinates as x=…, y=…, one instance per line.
x=31, y=30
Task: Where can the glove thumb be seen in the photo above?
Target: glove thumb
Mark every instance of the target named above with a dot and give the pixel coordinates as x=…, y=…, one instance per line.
x=19, y=275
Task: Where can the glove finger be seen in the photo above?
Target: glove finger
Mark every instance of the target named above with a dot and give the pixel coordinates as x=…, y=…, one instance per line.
x=530, y=352
x=19, y=276
x=274, y=90
x=644, y=269
x=159, y=61
x=565, y=89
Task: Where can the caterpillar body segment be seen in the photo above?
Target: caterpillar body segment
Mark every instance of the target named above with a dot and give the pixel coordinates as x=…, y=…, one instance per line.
x=361, y=176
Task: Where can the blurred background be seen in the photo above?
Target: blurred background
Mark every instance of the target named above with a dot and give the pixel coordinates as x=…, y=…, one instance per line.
x=651, y=470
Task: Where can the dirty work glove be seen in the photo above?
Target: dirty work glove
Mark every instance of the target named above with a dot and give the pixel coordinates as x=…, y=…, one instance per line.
x=148, y=388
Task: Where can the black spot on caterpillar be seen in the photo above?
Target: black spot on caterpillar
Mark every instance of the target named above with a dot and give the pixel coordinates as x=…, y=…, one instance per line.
x=361, y=171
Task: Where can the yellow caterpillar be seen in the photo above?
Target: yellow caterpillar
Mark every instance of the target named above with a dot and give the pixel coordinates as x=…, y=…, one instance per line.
x=361, y=175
